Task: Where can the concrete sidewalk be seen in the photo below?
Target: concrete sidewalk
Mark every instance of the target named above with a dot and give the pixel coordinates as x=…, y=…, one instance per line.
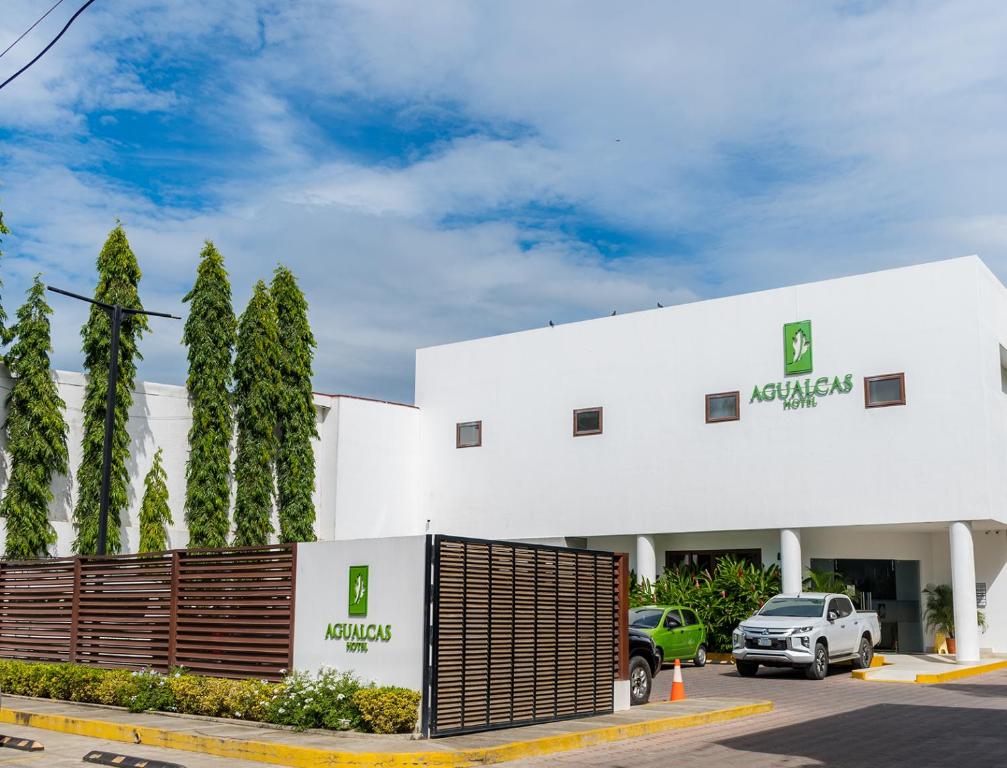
x=925, y=668
x=282, y=746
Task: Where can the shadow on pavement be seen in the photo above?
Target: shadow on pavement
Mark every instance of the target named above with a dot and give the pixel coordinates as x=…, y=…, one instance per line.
x=889, y=735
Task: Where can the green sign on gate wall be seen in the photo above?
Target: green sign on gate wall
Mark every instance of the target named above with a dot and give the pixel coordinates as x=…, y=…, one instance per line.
x=797, y=347
x=358, y=590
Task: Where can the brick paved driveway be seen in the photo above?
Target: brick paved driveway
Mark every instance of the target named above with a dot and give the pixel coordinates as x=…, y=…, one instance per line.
x=835, y=723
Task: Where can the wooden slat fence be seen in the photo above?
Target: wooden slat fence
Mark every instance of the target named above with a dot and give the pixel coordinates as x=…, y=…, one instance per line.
x=223, y=612
x=520, y=634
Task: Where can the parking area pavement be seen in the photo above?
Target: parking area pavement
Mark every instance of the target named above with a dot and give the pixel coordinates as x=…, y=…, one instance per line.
x=835, y=723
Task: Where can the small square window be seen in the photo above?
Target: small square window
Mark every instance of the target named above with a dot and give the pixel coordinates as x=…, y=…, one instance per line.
x=881, y=391
x=469, y=434
x=587, y=421
x=722, y=406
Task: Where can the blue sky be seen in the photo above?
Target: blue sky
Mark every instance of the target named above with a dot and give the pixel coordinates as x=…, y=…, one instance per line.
x=441, y=171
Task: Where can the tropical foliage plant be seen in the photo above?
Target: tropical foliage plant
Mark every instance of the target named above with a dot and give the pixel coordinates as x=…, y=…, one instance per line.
x=733, y=591
x=36, y=432
x=256, y=382
x=210, y=335
x=155, y=514
x=118, y=278
x=939, y=610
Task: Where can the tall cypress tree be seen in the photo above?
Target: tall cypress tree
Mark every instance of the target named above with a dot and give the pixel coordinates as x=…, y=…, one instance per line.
x=210, y=336
x=255, y=378
x=36, y=432
x=155, y=514
x=118, y=277
x=295, y=413
x=4, y=333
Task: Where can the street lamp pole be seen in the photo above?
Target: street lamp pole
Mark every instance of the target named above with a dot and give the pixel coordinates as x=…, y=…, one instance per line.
x=116, y=312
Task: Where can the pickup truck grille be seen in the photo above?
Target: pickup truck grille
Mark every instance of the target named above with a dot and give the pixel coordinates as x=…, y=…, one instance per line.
x=775, y=644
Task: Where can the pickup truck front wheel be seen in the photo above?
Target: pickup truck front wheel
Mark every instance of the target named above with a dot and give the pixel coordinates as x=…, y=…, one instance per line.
x=865, y=654
x=747, y=668
x=819, y=668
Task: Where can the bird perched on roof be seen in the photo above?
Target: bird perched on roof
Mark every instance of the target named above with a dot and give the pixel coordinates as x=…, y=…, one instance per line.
x=613, y=313
x=552, y=324
x=660, y=305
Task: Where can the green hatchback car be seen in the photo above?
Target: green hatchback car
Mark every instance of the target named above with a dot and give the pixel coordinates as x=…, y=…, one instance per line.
x=677, y=632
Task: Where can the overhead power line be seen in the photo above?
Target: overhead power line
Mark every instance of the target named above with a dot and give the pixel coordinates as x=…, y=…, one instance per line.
x=51, y=44
x=38, y=21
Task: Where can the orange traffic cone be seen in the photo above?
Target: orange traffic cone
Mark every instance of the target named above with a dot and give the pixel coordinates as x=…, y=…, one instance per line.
x=677, y=684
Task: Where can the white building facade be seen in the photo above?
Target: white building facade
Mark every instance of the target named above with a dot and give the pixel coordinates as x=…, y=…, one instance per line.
x=857, y=425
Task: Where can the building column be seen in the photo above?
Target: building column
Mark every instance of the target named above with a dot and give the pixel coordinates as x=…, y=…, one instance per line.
x=646, y=559
x=963, y=585
x=790, y=560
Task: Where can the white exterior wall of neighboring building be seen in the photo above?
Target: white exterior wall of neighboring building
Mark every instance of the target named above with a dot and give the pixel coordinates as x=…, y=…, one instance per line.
x=658, y=466
x=377, y=468
x=368, y=470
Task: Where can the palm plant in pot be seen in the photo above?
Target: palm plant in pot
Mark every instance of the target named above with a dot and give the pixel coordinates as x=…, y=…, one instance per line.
x=939, y=613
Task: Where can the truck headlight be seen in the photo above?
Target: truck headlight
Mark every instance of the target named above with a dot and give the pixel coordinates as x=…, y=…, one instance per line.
x=738, y=638
x=800, y=630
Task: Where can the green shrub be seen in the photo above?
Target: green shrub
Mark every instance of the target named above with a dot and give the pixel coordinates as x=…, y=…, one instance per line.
x=327, y=699
x=387, y=709
x=322, y=700
x=734, y=591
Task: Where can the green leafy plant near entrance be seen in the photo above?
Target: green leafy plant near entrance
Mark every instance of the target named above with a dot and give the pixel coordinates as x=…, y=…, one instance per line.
x=939, y=611
x=326, y=699
x=732, y=592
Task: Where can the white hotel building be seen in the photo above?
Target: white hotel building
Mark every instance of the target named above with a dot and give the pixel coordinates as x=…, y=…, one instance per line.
x=886, y=460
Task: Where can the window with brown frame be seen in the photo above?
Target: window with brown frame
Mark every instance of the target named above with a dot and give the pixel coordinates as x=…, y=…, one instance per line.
x=723, y=406
x=468, y=434
x=587, y=421
x=882, y=391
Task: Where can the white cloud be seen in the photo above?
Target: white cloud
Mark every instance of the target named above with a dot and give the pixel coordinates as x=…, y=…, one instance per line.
x=743, y=145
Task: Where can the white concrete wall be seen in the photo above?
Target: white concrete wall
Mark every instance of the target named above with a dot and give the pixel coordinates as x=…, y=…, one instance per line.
x=371, y=471
x=396, y=572
x=659, y=467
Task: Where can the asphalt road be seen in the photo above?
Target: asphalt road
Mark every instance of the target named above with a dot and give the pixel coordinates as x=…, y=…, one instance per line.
x=838, y=722
x=835, y=723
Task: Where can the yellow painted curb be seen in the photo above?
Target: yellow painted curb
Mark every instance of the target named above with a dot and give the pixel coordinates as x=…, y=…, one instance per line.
x=309, y=757
x=937, y=677
x=958, y=674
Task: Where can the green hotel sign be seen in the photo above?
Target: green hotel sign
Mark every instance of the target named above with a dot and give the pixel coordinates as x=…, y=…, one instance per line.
x=357, y=634
x=794, y=394
x=797, y=347
x=358, y=590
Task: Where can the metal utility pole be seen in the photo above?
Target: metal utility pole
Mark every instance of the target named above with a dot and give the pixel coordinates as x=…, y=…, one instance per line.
x=116, y=313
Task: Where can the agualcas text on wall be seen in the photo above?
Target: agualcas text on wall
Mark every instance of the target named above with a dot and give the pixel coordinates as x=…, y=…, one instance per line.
x=802, y=393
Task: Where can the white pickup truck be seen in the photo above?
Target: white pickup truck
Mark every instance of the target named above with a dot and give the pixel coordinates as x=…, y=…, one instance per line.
x=809, y=630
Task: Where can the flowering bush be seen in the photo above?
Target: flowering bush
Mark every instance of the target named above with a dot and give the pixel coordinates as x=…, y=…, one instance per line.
x=322, y=700
x=326, y=699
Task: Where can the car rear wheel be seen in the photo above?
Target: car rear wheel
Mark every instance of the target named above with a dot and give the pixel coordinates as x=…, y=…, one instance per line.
x=639, y=680
x=700, y=658
x=747, y=668
x=819, y=668
x=865, y=654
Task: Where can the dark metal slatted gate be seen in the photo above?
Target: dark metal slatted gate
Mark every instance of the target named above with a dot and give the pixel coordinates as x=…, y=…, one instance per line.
x=518, y=634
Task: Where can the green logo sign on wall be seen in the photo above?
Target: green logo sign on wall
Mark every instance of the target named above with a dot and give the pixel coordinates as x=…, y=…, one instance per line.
x=358, y=590
x=800, y=393
x=797, y=347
